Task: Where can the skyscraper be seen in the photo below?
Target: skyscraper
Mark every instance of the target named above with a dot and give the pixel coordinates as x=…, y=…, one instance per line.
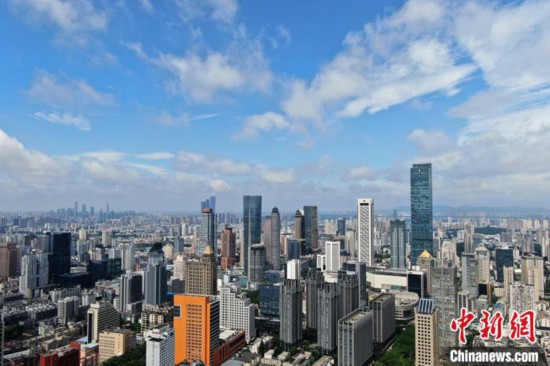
x=290, y=312
x=397, y=244
x=155, y=279
x=470, y=280
x=444, y=293
x=426, y=333
x=332, y=251
x=311, y=227
x=274, y=254
x=228, y=248
x=425, y=262
x=299, y=226
x=355, y=341
x=349, y=292
x=504, y=257
x=9, y=259
x=101, y=315
x=201, y=275
x=365, y=230
x=252, y=224
x=196, y=327
x=130, y=293
x=314, y=280
x=236, y=311
x=360, y=271
x=421, y=210
x=257, y=264
x=383, y=307
x=128, y=256
x=328, y=313
x=60, y=254
x=34, y=273
x=532, y=273
x=207, y=233
x=522, y=298
x=341, y=230
x=267, y=238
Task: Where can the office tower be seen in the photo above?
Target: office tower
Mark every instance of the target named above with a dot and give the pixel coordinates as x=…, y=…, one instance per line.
x=76, y=208
x=155, y=284
x=508, y=274
x=267, y=237
x=483, y=264
x=9, y=258
x=201, y=275
x=228, y=248
x=131, y=297
x=355, y=338
x=207, y=232
x=128, y=256
x=101, y=316
x=332, y=252
x=311, y=227
x=504, y=257
x=299, y=231
x=106, y=238
x=274, y=254
x=314, y=280
x=426, y=333
x=328, y=313
x=444, y=293
x=67, y=309
x=421, y=210
x=365, y=230
x=360, y=271
x=34, y=273
x=383, y=307
x=397, y=244
x=293, y=270
x=270, y=299
x=237, y=312
x=522, y=298
x=425, y=262
x=532, y=273
x=60, y=254
x=341, y=226
x=197, y=328
x=115, y=342
x=416, y=282
x=252, y=224
x=160, y=346
x=290, y=312
x=179, y=267
x=294, y=250
x=257, y=262
x=348, y=285
x=470, y=281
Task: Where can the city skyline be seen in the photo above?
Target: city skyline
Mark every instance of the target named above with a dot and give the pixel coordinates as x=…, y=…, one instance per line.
x=112, y=110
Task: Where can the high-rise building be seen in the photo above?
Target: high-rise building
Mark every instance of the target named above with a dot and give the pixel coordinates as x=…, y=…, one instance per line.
x=106, y=238
x=115, y=342
x=128, y=256
x=328, y=313
x=131, y=296
x=274, y=253
x=311, y=227
x=532, y=273
x=508, y=273
x=294, y=250
x=67, y=309
x=155, y=284
x=341, y=226
x=365, y=230
x=522, y=298
x=207, y=232
x=160, y=346
x=299, y=231
x=179, y=267
x=293, y=270
x=383, y=307
x=397, y=244
x=257, y=262
x=425, y=262
x=314, y=280
x=290, y=312
x=101, y=316
x=252, y=224
x=470, y=281
x=228, y=248
x=483, y=264
x=504, y=257
x=349, y=292
x=9, y=260
x=236, y=311
x=60, y=249
x=355, y=338
x=267, y=237
x=201, y=275
x=34, y=273
x=332, y=251
x=196, y=327
x=421, y=210
x=444, y=293
x=359, y=269
x=426, y=333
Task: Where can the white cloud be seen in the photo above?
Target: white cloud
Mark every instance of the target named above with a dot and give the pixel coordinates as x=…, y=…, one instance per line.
x=195, y=162
x=275, y=176
x=62, y=92
x=262, y=123
x=66, y=118
x=361, y=172
x=146, y=5
x=74, y=18
x=218, y=10
x=183, y=119
x=430, y=141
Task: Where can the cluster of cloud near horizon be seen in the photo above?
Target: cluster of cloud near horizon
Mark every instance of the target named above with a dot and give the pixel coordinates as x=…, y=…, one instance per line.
x=153, y=106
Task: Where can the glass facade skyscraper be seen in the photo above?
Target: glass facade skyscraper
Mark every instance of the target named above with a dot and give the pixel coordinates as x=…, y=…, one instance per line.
x=421, y=210
x=311, y=228
x=252, y=224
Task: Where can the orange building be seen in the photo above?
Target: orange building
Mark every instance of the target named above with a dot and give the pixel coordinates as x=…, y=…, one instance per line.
x=197, y=328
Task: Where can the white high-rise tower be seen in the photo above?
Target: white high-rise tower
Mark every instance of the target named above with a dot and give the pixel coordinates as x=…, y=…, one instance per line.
x=365, y=230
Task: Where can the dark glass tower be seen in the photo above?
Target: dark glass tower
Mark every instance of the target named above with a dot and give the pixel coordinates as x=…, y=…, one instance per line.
x=60, y=254
x=252, y=224
x=421, y=210
x=311, y=228
x=504, y=257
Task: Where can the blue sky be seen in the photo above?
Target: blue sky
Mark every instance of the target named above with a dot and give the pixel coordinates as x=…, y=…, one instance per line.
x=156, y=104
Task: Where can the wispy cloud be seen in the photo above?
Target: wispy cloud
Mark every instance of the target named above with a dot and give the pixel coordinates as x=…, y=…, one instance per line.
x=183, y=119
x=67, y=119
